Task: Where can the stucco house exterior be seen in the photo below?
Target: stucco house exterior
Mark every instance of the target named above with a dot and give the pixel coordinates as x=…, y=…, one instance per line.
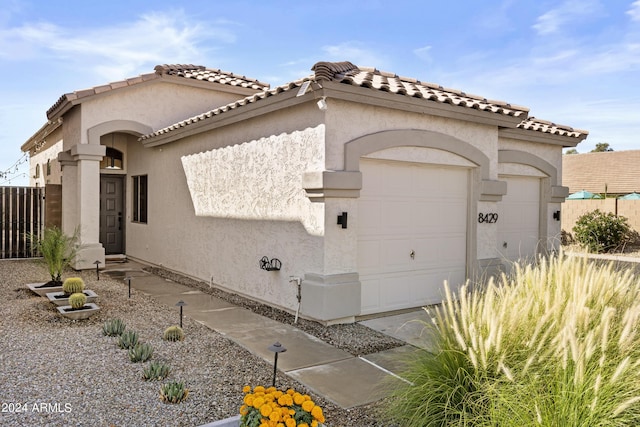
x=372, y=189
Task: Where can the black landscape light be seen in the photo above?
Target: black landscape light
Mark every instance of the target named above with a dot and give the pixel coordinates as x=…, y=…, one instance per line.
x=97, y=263
x=128, y=279
x=276, y=348
x=181, y=304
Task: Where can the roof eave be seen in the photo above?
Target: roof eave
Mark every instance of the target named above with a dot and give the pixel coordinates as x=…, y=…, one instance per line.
x=542, y=137
x=40, y=134
x=421, y=105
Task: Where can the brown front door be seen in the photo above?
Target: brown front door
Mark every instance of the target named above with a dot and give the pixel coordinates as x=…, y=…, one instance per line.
x=111, y=213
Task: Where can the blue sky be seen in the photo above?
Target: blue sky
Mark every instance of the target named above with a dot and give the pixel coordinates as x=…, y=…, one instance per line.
x=573, y=62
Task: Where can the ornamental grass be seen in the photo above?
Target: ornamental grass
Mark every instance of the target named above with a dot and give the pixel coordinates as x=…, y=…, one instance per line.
x=274, y=408
x=552, y=344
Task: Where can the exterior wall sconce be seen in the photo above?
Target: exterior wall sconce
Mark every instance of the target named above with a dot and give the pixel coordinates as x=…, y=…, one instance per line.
x=276, y=348
x=181, y=304
x=270, y=265
x=556, y=215
x=342, y=219
x=114, y=157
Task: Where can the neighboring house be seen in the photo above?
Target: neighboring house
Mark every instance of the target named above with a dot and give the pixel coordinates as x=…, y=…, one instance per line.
x=610, y=173
x=43, y=148
x=614, y=173
x=371, y=188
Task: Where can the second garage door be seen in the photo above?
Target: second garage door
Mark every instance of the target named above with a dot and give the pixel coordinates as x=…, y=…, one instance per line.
x=519, y=219
x=412, y=233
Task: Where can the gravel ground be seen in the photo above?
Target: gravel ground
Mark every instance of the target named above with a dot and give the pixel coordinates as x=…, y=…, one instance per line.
x=58, y=372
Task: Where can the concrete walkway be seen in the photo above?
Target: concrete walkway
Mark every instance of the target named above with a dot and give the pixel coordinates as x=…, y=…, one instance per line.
x=334, y=374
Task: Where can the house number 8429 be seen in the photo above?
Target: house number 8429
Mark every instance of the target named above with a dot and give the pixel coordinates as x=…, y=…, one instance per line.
x=489, y=218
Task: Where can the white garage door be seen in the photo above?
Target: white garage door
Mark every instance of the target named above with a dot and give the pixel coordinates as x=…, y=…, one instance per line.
x=412, y=233
x=519, y=218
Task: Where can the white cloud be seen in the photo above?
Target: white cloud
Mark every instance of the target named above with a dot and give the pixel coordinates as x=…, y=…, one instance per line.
x=634, y=11
x=117, y=51
x=567, y=12
x=424, y=53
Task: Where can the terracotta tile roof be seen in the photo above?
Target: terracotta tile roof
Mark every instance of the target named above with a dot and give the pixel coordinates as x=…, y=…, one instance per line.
x=544, y=126
x=348, y=73
x=188, y=71
x=618, y=170
x=198, y=72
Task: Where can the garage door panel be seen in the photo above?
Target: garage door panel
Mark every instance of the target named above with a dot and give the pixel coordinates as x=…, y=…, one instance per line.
x=424, y=210
x=519, y=218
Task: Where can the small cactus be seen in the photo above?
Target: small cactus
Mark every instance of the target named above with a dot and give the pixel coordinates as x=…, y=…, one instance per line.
x=113, y=327
x=140, y=352
x=173, y=333
x=128, y=339
x=73, y=285
x=173, y=392
x=156, y=371
x=77, y=300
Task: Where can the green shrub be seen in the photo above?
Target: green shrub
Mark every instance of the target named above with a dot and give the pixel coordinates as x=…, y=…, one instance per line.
x=557, y=344
x=602, y=232
x=140, y=352
x=128, y=339
x=113, y=327
x=73, y=285
x=77, y=300
x=173, y=392
x=156, y=371
x=173, y=333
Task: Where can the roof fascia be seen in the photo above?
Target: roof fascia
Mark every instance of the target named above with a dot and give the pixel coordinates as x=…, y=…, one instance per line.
x=541, y=137
x=40, y=134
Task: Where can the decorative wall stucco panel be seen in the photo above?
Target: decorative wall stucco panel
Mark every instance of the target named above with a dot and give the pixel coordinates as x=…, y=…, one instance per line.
x=258, y=180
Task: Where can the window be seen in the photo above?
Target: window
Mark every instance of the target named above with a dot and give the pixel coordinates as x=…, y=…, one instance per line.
x=140, y=198
x=48, y=167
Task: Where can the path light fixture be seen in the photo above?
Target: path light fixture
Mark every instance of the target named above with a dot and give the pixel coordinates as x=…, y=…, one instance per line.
x=181, y=304
x=276, y=348
x=97, y=263
x=128, y=279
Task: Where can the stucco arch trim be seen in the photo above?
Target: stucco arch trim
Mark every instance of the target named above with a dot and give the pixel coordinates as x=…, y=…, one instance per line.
x=125, y=126
x=348, y=183
x=558, y=193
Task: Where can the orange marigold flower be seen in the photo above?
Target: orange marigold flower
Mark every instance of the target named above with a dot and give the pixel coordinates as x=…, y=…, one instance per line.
x=258, y=389
x=314, y=423
x=275, y=416
x=258, y=402
x=244, y=410
x=246, y=389
x=316, y=413
x=303, y=425
x=290, y=392
x=265, y=410
x=308, y=405
x=290, y=422
x=248, y=399
x=264, y=424
x=298, y=399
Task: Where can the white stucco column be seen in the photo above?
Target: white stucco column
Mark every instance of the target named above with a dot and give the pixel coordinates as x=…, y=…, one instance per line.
x=81, y=202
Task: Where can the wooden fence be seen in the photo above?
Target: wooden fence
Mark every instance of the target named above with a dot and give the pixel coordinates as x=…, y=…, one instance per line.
x=21, y=213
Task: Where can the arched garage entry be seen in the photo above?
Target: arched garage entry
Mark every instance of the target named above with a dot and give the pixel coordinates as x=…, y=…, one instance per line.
x=413, y=216
x=522, y=210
